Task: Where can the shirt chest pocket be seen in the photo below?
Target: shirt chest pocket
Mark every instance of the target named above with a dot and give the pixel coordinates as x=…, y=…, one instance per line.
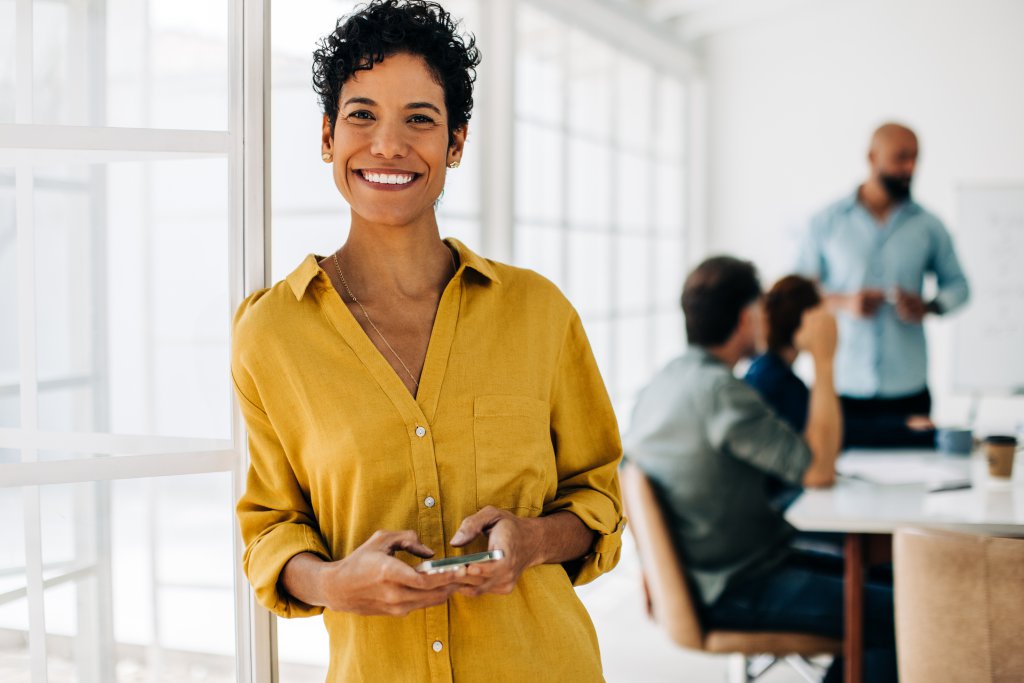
x=515, y=459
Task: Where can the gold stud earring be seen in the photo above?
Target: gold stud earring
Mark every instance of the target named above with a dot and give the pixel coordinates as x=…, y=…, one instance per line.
x=326, y=156
x=454, y=164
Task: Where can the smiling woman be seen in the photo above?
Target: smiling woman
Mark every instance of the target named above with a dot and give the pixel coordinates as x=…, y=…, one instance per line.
x=407, y=398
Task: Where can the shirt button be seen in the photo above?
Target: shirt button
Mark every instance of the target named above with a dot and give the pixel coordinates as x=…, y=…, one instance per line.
x=429, y=501
x=421, y=432
x=437, y=646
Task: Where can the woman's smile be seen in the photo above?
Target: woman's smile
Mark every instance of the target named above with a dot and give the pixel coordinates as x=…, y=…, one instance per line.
x=387, y=179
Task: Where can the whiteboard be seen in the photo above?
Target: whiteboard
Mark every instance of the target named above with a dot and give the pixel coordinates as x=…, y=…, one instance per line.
x=988, y=346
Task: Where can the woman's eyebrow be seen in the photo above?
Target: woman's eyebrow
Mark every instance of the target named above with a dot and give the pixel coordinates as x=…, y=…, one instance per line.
x=359, y=100
x=422, y=105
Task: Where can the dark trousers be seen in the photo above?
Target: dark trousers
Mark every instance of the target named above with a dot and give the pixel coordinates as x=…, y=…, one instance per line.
x=805, y=595
x=882, y=422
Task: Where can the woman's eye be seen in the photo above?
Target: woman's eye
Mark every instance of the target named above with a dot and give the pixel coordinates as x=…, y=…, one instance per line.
x=420, y=118
x=361, y=115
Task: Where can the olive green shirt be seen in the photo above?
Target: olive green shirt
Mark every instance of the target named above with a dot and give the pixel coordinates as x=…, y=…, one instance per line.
x=710, y=446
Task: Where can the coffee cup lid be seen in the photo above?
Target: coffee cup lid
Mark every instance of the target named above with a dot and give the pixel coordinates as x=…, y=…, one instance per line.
x=1001, y=440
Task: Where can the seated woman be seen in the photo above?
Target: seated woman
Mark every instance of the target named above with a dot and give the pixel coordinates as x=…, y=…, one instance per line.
x=772, y=375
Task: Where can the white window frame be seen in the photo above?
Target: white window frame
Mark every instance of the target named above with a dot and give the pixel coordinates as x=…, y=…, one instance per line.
x=24, y=145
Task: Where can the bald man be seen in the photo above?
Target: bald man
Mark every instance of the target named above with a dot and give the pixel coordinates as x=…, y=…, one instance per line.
x=871, y=251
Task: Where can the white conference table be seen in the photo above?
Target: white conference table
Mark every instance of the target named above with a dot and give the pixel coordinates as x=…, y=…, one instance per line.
x=880, y=491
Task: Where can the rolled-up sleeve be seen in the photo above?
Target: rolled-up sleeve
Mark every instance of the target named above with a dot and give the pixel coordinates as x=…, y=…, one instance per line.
x=587, y=453
x=274, y=515
x=949, y=276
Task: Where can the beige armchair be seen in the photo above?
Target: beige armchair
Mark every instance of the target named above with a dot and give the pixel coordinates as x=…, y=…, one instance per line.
x=959, y=607
x=672, y=607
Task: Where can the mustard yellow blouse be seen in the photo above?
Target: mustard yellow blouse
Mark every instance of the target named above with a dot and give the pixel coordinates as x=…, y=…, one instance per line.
x=511, y=412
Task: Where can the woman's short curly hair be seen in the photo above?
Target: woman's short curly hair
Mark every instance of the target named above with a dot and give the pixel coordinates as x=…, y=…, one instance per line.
x=382, y=28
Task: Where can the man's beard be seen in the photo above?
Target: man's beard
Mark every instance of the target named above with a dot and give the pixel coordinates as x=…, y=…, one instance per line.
x=897, y=187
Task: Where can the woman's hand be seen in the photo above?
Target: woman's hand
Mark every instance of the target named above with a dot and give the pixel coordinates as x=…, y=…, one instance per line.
x=371, y=580
x=519, y=537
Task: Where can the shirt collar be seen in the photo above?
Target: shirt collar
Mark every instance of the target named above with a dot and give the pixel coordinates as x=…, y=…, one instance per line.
x=703, y=355
x=300, y=278
x=852, y=200
x=471, y=260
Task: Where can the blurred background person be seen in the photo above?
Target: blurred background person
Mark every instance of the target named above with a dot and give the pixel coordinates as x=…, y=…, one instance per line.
x=871, y=251
x=771, y=373
x=712, y=449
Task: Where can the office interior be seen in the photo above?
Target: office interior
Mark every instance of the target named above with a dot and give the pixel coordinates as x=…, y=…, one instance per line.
x=160, y=159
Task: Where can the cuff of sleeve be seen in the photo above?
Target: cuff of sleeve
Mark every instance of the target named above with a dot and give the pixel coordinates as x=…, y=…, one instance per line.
x=265, y=559
x=947, y=301
x=603, y=556
x=600, y=514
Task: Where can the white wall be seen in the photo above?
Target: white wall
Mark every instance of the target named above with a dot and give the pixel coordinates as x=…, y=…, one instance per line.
x=793, y=99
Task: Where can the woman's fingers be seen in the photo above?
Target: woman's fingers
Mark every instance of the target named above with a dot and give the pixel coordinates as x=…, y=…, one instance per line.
x=390, y=541
x=476, y=524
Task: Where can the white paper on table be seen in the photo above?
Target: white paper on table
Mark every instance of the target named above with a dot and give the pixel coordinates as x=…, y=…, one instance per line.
x=902, y=469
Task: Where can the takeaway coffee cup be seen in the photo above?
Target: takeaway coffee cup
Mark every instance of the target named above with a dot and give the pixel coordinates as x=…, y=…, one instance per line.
x=1000, y=451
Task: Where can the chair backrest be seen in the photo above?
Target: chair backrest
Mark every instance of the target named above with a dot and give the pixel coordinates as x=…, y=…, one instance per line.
x=959, y=607
x=671, y=603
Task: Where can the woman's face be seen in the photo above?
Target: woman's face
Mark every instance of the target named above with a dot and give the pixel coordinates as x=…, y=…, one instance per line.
x=390, y=143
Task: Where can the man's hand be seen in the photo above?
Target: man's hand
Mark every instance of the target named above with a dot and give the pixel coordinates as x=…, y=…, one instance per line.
x=371, y=580
x=920, y=423
x=817, y=333
x=910, y=307
x=520, y=539
x=865, y=303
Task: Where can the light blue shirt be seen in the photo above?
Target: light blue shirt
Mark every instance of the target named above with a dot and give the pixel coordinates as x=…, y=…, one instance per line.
x=847, y=250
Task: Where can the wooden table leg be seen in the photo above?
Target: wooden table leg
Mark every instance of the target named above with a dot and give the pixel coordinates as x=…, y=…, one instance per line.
x=853, y=598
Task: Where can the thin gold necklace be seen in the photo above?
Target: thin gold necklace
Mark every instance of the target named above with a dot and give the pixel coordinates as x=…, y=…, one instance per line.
x=348, y=290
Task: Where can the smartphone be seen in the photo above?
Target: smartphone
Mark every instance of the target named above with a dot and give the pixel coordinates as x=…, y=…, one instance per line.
x=451, y=564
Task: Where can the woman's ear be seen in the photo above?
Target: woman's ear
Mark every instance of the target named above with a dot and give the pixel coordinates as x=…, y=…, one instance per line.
x=458, y=143
x=326, y=137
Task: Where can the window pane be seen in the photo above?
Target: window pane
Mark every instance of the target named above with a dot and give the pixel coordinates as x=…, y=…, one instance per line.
x=633, y=288
x=466, y=231
x=540, y=92
x=7, y=52
x=540, y=248
x=669, y=271
x=12, y=541
x=161, y=63
x=633, y=192
x=590, y=87
x=539, y=192
x=634, y=100
x=145, y=556
x=590, y=272
x=590, y=174
x=303, y=649
x=309, y=214
x=133, y=311
x=14, y=655
x=10, y=411
x=671, y=119
x=632, y=356
x=297, y=234
x=599, y=334
x=668, y=198
x=669, y=337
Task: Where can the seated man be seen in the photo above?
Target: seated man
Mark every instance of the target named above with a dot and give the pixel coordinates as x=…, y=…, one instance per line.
x=772, y=375
x=711, y=447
